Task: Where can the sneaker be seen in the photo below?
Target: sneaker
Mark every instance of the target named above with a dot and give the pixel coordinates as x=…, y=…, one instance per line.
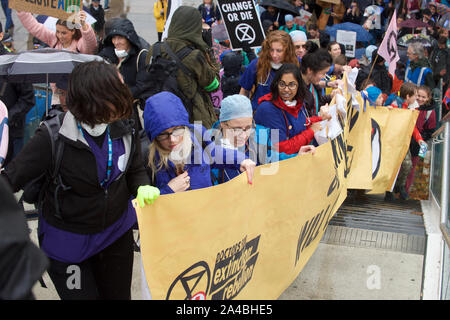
x=106, y=8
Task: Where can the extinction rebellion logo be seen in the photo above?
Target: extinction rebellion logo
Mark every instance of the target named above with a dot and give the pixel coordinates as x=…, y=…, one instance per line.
x=232, y=271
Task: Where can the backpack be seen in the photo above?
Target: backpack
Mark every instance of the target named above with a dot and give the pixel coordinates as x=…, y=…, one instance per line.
x=164, y=73
x=232, y=70
x=34, y=191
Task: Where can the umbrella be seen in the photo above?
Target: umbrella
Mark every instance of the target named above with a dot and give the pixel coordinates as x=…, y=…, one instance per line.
x=362, y=34
x=444, y=21
x=42, y=65
x=425, y=40
x=282, y=5
x=440, y=8
x=413, y=23
x=50, y=22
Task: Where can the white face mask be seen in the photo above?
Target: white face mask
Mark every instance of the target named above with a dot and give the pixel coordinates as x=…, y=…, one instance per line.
x=121, y=53
x=96, y=131
x=292, y=103
x=276, y=66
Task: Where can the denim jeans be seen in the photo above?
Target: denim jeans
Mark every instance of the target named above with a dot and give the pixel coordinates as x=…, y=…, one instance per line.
x=106, y=4
x=7, y=11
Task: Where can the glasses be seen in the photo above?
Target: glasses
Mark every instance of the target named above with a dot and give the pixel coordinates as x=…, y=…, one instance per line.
x=290, y=85
x=166, y=135
x=299, y=46
x=238, y=131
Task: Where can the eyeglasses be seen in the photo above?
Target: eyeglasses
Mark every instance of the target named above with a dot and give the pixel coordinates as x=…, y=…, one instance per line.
x=166, y=135
x=299, y=46
x=238, y=131
x=290, y=85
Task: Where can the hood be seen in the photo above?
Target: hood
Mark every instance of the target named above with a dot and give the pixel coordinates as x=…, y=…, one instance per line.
x=162, y=111
x=186, y=24
x=122, y=27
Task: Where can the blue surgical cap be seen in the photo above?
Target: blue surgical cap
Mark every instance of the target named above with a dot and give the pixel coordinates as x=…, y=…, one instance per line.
x=235, y=106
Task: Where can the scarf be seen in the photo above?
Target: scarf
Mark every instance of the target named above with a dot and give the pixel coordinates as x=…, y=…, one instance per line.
x=279, y=103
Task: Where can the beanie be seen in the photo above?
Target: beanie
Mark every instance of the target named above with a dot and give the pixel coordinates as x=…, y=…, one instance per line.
x=298, y=35
x=235, y=106
x=373, y=93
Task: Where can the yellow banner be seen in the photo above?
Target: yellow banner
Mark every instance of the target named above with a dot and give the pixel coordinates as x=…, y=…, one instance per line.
x=391, y=137
x=240, y=241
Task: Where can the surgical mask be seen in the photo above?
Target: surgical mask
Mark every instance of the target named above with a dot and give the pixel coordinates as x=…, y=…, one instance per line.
x=121, y=53
x=276, y=66
x=95, y=131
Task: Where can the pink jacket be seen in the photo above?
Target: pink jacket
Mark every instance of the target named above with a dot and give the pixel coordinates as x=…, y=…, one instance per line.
x=86, y=44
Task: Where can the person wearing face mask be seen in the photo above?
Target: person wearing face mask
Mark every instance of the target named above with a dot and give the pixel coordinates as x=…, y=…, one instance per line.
x=287, y=109
x=181, y=155
x=123, y=48
x=236, y=130
x=276, y=50
x=87, y=224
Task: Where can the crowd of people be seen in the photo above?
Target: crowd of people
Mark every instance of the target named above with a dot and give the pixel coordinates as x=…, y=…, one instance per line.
x=123, y=141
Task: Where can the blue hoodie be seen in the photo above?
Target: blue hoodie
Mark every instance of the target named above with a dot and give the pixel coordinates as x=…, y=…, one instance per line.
x=165, y=110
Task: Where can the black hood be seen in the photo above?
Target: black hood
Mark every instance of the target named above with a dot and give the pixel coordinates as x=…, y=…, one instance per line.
x=122, y=27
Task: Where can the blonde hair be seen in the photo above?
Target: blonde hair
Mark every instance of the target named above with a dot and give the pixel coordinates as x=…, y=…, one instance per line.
x=178, y=157
x=263, y=66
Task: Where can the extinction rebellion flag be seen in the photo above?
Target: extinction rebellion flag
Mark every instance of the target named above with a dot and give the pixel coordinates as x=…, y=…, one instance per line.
x=388, y=48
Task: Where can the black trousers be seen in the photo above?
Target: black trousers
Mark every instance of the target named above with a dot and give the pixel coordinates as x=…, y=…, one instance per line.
x=104, y=276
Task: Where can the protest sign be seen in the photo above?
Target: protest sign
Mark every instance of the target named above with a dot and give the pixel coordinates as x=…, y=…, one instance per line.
x=62, y=9
x=242, y=22
x=303, y=18
x=348, y=39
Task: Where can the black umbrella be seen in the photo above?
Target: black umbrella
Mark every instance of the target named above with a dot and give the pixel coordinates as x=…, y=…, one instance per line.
x=282, y=5
x=41, y=66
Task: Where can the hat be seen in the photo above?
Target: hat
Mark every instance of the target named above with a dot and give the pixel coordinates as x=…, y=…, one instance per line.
x=235, y=106
x=369, y=50
x=288, y=17
x=373, y=93
x=298, y=35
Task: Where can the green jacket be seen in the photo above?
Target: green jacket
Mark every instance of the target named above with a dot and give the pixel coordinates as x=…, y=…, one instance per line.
x=186, y=30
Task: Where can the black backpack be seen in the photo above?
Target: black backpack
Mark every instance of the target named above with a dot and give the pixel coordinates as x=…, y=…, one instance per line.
x=232, y=70
x=164, y=73
x=34, y=191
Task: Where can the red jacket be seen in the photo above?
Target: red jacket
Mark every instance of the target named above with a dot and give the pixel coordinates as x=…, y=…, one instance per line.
x=292, y=145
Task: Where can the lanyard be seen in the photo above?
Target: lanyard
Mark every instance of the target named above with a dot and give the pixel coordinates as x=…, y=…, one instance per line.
x=315, y=96
x=109, y=167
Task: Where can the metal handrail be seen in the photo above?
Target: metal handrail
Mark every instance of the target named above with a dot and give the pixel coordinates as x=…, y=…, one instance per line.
x=445, y=179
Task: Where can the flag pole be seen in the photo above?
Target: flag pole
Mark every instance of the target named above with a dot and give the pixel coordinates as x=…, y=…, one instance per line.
x=371, y=69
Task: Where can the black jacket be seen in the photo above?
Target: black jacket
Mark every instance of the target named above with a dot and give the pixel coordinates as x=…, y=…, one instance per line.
x=379, y=74
x=21, y=261
x=86, y=208
x=19, y=99
x=133, y=72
